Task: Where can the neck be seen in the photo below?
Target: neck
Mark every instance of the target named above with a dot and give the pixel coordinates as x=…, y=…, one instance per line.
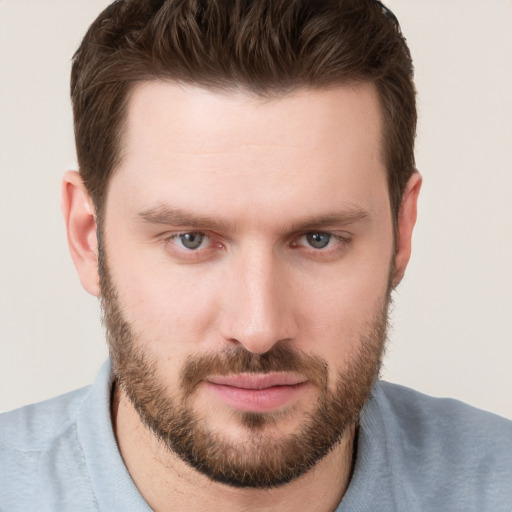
x=168, y=483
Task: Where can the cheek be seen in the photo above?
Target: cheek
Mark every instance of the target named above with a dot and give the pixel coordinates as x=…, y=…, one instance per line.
x=338, y=314
x=171, y=308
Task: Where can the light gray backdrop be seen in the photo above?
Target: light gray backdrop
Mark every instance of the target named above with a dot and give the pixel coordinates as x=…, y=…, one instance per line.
x=452, y=321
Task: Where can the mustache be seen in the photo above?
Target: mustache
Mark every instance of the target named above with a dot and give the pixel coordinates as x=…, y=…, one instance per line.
x=239, y=360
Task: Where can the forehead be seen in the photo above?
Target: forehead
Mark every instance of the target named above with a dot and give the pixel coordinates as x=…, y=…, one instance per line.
x=202, y=120
x=208, y=148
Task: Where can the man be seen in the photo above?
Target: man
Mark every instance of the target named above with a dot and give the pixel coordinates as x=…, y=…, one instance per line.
x=244, y=209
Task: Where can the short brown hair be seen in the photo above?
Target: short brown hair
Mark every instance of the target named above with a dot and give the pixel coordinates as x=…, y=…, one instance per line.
x=268, y=47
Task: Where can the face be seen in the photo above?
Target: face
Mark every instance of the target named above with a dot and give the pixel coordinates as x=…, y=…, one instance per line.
x=245, y=273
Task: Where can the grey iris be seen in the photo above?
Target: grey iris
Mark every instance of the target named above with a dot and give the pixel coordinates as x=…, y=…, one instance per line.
x=192, y=240
x=318, y=240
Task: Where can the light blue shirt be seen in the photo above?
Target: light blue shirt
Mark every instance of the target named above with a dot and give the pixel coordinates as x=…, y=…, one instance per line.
x=414, y=453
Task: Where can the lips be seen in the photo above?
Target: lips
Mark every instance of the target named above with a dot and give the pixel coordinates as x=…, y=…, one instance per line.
x=257, y=381
x=257, y=392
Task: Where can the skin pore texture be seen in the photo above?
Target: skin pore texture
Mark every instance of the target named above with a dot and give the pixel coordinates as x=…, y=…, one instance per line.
x=247, y=259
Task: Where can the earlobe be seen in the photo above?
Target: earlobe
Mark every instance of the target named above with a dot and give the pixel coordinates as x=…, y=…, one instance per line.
x=80, y=219
x=406, y=221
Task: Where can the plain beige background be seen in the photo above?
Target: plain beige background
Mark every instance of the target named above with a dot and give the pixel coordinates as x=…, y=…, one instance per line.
x=452, y=323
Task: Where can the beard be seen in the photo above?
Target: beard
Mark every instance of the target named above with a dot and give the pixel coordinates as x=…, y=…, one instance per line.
x=262, y=460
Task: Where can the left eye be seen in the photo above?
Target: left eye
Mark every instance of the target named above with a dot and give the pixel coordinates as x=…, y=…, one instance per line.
x=317, y=240
x=191, y=241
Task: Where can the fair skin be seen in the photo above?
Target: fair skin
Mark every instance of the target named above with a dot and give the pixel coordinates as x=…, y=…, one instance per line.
x=257, y=178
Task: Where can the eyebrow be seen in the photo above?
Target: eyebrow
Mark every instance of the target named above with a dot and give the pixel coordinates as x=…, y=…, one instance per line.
x=344, y=217
x=172, y=216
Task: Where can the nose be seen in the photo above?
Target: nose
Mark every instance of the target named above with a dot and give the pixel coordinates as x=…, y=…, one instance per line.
x=258, y=309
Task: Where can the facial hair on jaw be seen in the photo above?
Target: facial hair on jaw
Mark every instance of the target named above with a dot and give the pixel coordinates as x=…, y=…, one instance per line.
x=264, y=461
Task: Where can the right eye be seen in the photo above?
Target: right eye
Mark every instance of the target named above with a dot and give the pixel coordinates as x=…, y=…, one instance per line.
x=318, y=240
x=190, y=241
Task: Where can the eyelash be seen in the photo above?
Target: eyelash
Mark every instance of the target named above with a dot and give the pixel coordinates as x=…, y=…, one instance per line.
x=332, y=237
x=178, y=236
x=341, y=243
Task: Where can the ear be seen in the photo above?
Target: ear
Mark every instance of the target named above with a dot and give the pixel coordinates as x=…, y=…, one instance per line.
x=80, y=219
x=406, y=221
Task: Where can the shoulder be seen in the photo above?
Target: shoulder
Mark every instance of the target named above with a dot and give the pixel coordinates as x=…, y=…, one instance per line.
x=34, y=427
x=450, y=419
x=446, y=450
x=41, y=455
